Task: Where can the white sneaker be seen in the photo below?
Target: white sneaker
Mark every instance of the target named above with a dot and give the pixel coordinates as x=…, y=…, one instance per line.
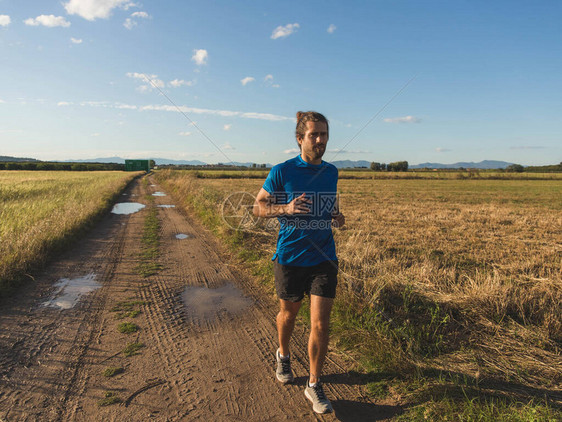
x=284, y=373
x=320, y=403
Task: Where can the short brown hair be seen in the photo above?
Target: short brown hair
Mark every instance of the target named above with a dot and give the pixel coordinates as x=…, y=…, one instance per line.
x=308, y=116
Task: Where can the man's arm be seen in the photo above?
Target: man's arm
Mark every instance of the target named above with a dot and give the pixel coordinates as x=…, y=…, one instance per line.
x=265, y=205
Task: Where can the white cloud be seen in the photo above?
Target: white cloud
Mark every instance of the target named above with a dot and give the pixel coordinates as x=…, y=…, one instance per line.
x=95, y=134
x=63, y=103
x=176, y=83
x=247, y=80
x=222, y=113
x=50, y=21
x=439, y=149
x=96, y=103
x=268, y=80
x=189, y=110
x=200, y=57
x=129, y=23
x=284, y=31
x=404, y=119
x=76, y=40
x=2, y=101
x=5, y=20
x=148, y=79
x=143, y=15
x=126, y=107
x=331, y=29
x=184, y=133
x=292, y=151
x=227, y=127
x=227, y=146
x=94, y=9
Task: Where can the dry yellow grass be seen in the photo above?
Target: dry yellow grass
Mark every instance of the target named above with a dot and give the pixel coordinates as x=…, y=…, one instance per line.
x=41, y=210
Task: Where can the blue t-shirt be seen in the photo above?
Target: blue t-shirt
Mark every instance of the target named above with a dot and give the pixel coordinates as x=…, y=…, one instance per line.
x=304, y=240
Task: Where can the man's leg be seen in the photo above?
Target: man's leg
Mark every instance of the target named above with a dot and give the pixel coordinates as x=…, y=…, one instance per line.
x=320, y=309
x=286, y=323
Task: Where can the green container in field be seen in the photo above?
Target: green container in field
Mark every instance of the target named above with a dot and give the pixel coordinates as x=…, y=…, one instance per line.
x=137, y=165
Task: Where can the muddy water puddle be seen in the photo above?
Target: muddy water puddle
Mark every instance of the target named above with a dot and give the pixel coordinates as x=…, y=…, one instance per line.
x=127, y=207
x=158, y=194
x=69, y=291
x=166, y=206
x=181, y=236
x=205, y=303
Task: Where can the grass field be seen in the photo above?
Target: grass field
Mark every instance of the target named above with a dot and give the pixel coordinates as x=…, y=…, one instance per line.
x=368, y=174
x=450, y=289
x=41, y=211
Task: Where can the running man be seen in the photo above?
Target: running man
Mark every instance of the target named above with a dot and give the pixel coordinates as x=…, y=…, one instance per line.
x=301, y=193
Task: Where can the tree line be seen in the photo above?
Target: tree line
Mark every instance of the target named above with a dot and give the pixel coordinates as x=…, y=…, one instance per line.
x=396, y=166
x=60, y=166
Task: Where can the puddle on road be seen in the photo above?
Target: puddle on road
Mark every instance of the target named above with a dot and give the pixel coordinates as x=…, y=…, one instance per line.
x=205, y=303
x=182, y=236
x=152, y=186
x=158, y=194
x=69, y=291
x=166, y=206
x=127, y=207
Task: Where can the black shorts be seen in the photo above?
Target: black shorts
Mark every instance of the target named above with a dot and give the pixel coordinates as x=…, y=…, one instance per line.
x=293, y=282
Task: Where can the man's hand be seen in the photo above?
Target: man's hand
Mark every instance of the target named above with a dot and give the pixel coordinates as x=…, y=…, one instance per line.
x=299, y=205
x=265, y=205
x=338, y=220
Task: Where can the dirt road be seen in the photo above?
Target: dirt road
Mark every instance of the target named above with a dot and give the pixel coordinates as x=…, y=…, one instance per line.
x=208, y=335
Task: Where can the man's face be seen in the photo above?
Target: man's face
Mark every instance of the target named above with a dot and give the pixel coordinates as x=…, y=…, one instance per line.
x=313, y=143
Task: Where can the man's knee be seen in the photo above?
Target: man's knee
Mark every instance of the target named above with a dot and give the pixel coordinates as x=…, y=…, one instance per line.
x=287, y=315
x=320, y=326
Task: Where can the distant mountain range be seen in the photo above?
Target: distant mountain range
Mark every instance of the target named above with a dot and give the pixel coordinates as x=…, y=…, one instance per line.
x=486, y=164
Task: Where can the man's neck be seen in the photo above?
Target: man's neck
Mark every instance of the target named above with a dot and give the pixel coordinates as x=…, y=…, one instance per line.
x=309, y=160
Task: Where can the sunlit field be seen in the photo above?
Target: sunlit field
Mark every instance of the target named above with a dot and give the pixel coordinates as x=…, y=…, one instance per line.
x=474, y=174
x=450, y=275
x=41, y=210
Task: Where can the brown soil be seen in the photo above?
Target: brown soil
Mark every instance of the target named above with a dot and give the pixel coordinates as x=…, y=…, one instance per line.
x=211, y=364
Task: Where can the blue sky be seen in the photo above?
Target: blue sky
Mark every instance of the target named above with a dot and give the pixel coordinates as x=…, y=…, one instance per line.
x=475, y=79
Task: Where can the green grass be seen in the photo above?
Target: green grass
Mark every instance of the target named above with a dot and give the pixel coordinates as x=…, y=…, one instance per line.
x=127, y=309
x=128, y=327
x=132, y=349
x=112, y=371
x=109, y=399
x=42, y=212
x=150, y=244
x=481, y=409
